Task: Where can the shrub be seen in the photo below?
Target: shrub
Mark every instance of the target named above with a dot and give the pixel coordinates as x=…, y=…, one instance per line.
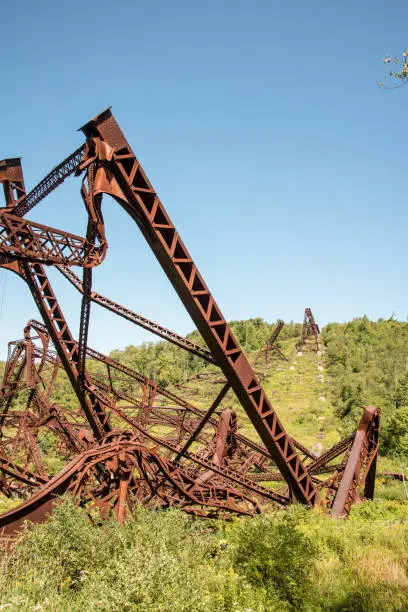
x=164, y=560
x=273, y=554
x=396, y=433
x=155, y=561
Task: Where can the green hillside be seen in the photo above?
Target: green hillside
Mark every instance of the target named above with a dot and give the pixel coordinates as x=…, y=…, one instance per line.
x=292, y=560
x=317, y=394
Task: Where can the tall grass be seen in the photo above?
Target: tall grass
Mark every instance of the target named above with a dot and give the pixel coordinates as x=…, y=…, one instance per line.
x=164, y=560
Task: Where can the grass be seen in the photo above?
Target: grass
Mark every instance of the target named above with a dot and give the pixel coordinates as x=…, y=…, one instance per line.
x=164, y=560
x=299, y=390
x=296, y=559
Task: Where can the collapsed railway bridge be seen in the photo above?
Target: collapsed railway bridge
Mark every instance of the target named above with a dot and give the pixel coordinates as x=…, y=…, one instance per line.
x=131, y=440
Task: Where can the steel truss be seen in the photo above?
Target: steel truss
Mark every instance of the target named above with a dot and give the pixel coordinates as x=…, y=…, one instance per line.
x=309, y=329
x=203, y=464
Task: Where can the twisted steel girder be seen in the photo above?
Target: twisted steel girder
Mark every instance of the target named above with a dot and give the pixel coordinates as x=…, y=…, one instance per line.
x=28, y=241
x=121, y=175
x=360, y=468
x=111, y=168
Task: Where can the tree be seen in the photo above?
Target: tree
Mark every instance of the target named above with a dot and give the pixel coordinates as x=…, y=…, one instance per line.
x=396, y=434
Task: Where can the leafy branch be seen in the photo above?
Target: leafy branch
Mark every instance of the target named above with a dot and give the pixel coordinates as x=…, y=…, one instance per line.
x=400, y=75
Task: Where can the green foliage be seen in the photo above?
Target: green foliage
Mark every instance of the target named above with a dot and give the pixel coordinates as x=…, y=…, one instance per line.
x=274, y=555
x=395, y=438
x=401, y=392
x=363, y=563
x=161, y=361
x=164, y=560
x=366, y=361
x=63, y=393
x=167, y=364
x=156, y=561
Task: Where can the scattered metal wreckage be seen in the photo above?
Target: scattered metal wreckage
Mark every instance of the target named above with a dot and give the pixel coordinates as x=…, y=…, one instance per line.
x=131, y=440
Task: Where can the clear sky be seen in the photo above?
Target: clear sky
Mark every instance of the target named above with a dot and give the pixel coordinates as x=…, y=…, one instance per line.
x=261, y=126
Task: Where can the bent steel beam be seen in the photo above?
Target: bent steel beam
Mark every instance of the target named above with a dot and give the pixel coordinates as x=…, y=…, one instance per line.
x=67, y=348
x=57, y=327
x=120, y=175
x=361, y=464
x=11, y=175
x=28, y=241
x=310, y=328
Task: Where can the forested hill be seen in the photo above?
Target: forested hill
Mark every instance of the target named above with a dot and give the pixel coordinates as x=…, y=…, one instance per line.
x=318, y=396
x=367, y=363
x=292, y=560
x=364, y=362
x=167, y=364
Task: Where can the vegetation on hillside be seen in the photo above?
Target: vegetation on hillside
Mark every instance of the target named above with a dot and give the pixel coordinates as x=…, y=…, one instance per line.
x=167, y=364
x=286, y=560
x=367, y=364
x=317, y=396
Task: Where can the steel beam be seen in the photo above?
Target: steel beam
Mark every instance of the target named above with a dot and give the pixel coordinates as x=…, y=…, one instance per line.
x=120, y=174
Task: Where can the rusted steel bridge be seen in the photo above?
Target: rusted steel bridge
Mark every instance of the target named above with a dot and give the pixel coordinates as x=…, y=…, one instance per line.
x=131, y=440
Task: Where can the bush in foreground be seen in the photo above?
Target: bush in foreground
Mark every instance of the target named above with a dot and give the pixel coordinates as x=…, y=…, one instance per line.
x=164, y=560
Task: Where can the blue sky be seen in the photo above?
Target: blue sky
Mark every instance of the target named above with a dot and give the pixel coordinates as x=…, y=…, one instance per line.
x=260, y=125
